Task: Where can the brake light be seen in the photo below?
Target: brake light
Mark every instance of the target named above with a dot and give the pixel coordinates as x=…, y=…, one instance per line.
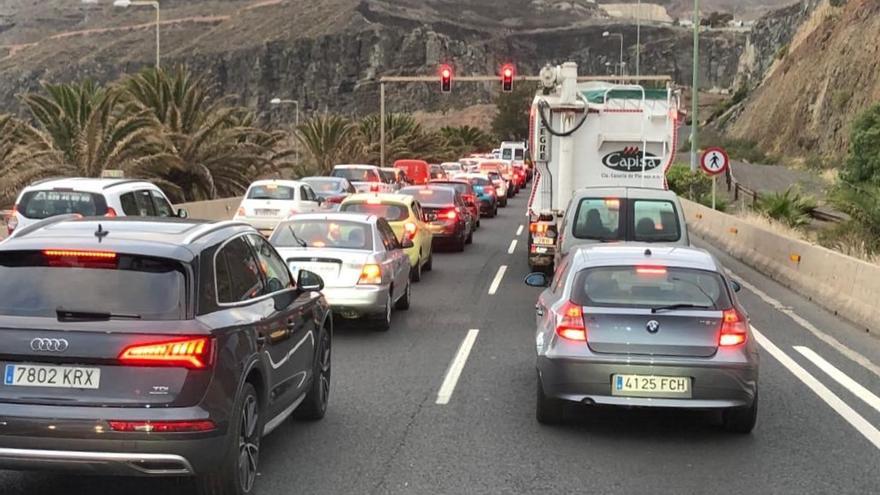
x=571, y=323
x=612, y=204
x=162, y=426
x=12, y=221
x=292, y=212
x=539, y=228
x=111, y=213
x=410, y=229
x=374, y=201
x=335, y=199
x=489, y=190
x=371, y=274
x=450, y=215
x=188, y=353
x=68, y=253
x=733, y=329
x=651, y=270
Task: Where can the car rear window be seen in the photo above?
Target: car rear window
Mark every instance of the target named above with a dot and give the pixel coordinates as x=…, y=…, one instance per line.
x=44, y=204
x=388, y=176
x=598, y=219
x=461, y=188
x=38, y=283
x=479, y=181
x=272, y=191
x=389, y=211
x=431, y=196
x=519, y=154
x=324, y=233
x=324, y=185
x=649, y=287
x=357, y=174
x=655, y=221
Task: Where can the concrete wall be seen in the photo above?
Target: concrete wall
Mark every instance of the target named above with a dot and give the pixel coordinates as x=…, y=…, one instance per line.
x=218, y=209
x=842, y=284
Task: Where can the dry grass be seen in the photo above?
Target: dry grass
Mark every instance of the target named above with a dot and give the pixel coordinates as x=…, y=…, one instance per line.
x=761, y=221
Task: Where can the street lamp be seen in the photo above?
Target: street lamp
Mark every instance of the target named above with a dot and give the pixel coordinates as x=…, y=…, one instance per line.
x=606, y=34
x=138, y=3
x=695, y=90
x=638, y=37
x=277, y=102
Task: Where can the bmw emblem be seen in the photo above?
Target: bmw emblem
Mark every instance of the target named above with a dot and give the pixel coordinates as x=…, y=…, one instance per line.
x=653, y=326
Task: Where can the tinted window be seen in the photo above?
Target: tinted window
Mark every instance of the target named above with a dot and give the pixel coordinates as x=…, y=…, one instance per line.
x=324, y=233
x=598, y=219
x=36, y=285
x=507, y=154
x=237, y=273
x=655, y=221
x=430, y=196
x=45, y=204
x=163, y=208
x=479, y=181
x=460, y=188
x=129, y=205
x=325, y=185
x=643, y=287
x=357, y=174
x=271, y=191
x=388, y=237
x=388, y=176
x=145, y=205
x=272, y=266
x=389, y=211
x=519, y=154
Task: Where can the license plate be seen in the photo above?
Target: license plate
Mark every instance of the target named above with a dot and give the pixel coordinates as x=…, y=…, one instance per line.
x=28, y=375
x=324, y=270
x=651, y=386
x=266, y=213
x=543, y=241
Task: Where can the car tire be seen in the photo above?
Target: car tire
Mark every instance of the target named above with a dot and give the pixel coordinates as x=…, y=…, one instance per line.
x=478, y=224
x=243, y=437
x=495, y=211
x=504, y=203
x=429, y=265
x=314, y=406
x=741, y=419
x=403, y=303
x=547, y=411
x=415, y=273
x=459, y=244
x=470, y=238
x=383, y=322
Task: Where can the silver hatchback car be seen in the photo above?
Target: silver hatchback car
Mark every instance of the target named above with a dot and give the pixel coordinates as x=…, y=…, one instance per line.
x=644, y=326
x=364, y=267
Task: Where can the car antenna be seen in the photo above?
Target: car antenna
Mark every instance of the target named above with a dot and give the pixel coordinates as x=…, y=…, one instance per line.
x=101, y=233
x=648, y=252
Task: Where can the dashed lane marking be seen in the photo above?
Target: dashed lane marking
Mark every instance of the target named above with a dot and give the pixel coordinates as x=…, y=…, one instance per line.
x=497, y=280
x=512, y=247
x=456, y=367
x=519, y=231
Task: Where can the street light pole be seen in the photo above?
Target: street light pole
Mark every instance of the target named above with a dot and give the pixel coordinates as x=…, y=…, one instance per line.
x=606, y=34
x=279, y=101
x=149, y=3
x=381, y=124
x=638, y=38
x=695, y=90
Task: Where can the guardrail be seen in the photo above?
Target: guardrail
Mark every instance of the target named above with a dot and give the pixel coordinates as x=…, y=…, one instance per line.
x=842, y=284
x=739, y=190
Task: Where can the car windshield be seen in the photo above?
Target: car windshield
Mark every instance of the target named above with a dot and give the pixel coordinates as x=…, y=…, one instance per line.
x=388, y=176
x=44, y=204
x=324, y=185
x=431, y=195
x=271, y=192
x=392, y=212
x=598, y=219
x=324, y=233
x=357, y=174
x=649, y=287
x=39, y=284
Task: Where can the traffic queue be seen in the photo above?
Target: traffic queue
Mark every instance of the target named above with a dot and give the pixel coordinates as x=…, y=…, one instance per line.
x=371, y=232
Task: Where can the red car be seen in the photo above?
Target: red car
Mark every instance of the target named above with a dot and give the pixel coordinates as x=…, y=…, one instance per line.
x=466, y=190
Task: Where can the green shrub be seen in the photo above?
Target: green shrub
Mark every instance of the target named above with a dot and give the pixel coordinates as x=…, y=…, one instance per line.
x=789, y=207
x=695, y=186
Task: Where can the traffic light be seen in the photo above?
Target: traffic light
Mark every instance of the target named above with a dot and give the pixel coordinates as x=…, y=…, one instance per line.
x=507, y=73
x=445, y=79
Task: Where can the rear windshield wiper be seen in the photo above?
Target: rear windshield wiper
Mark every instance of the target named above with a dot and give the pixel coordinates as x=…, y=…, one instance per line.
x=679, y=306
x=79, y=315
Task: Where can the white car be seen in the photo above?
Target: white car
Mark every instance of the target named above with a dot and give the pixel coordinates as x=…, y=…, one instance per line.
x=452, y=168
x=268, y=202
x=364, y=178
x=89, y=197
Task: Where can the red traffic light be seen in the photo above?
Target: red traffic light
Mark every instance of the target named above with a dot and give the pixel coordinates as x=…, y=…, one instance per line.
x=445, y=78
x=508, y=71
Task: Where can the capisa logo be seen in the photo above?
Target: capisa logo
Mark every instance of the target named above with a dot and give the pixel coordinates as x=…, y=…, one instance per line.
x=629, y=159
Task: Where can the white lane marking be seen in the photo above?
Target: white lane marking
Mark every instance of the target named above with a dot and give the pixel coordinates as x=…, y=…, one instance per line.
x=454, y=372
x=840, y=377
x=519, y=231
x=824, y=337
x=851, y=416
x=497, y=280
x=512, y=247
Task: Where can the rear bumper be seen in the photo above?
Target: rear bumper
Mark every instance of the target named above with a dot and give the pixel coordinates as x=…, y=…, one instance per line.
x=106, y=463
x=714, y=384
x=356, y=302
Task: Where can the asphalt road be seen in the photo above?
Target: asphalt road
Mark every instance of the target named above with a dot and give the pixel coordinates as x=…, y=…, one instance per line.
x=386, y=433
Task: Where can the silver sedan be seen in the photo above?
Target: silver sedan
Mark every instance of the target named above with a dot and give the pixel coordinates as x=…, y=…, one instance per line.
x=644, y=326
x=363, y=265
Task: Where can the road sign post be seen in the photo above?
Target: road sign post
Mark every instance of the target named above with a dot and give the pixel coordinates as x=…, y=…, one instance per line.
x=714, y=161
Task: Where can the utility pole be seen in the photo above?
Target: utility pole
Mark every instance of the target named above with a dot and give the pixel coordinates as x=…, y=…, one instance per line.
x=381, y=124
x=695, y=91
x=638, y=38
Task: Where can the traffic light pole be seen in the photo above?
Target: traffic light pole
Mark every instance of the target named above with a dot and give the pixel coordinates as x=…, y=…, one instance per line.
x=412, y=79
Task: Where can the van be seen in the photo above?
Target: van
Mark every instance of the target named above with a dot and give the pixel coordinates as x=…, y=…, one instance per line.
x=418, y=171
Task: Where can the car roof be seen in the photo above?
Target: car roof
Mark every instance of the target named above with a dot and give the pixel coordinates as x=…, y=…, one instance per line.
x=85, y=184
x=399, y=198
x=334, y=217
x=589, y=256
x=355, y=165
x=172, y=238
x=620, y=191
x=324, y=177
x=280, y=182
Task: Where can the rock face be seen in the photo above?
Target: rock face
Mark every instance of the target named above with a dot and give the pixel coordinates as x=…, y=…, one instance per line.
x=330, y=58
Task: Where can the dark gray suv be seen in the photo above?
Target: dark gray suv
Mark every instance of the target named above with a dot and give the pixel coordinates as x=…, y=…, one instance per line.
x=154, y=347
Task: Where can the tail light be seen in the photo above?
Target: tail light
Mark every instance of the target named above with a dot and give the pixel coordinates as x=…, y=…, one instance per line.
x=489, y=190
x=371, y=274
x=240, y=212
x=449, y=215
x=12, y=221
x=410, y=229
x=111, y=213
x=374, y=188
x=335, y=199
x=733, y=329
x=293, y=211
x=187, y=353
x=651, y=270
x=162, y=426
x=538, y=228
x=571, y=323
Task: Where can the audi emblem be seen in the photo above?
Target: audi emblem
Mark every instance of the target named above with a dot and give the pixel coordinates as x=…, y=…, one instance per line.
x=41, y=344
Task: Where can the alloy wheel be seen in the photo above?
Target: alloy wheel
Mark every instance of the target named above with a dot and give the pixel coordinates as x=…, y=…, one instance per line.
x=248, y=449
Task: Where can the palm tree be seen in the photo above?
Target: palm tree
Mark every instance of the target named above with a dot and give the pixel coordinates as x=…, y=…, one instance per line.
x=26, y=155
x=467, y=138
x=404, y=138
x=328, y=139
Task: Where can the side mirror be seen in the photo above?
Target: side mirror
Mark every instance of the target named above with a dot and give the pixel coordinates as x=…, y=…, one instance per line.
x=182, y=213
x=274, y=285
x=319, y=200
x=308, y=281
x=406, y=243
x=537, y=279
x=735, y=286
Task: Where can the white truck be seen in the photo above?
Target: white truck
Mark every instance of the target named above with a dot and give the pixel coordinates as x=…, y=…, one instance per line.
x=601, y=151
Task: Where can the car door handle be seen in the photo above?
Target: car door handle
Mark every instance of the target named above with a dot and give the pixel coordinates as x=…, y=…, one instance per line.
x=539, y=311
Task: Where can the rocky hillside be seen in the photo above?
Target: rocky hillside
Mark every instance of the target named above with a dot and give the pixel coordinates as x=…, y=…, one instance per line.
x=329, y=53
x=826, y=75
